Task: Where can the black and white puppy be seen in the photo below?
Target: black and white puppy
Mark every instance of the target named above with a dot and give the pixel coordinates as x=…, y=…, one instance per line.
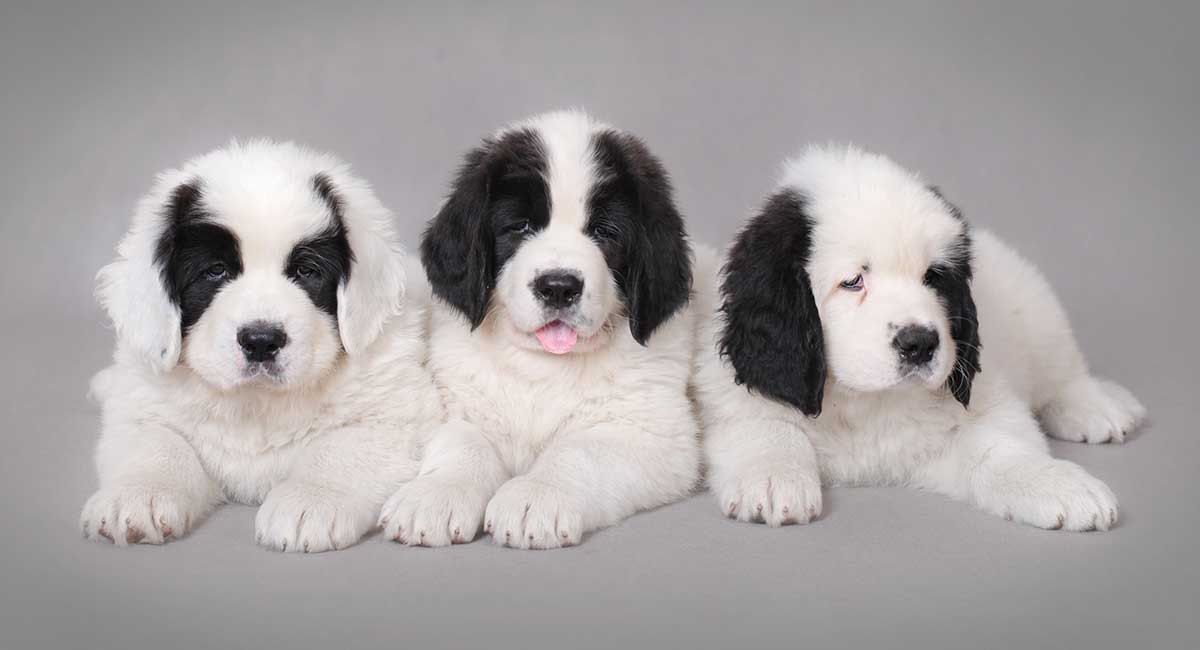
x=884, y=342
x=563, y=343
x=266, y=353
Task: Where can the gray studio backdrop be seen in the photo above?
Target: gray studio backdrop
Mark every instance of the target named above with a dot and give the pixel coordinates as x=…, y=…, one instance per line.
x=1068, y=128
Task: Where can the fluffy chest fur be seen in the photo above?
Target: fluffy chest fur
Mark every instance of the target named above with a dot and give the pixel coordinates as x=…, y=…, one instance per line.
x=524, y=399
x=881, y=439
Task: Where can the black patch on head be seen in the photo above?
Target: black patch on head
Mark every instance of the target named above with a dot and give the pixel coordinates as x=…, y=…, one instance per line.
x=498, y=199
x=195, y=256
x=633, y=219
x=772, y=334
x=321, y=263
x=951, y=281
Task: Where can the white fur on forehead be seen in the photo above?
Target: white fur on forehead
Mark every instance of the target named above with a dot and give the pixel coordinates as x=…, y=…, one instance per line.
x=566, y=138
x=267, y=185
x=866, y=206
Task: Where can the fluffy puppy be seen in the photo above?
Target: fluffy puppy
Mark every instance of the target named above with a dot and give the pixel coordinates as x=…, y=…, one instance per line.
x=884, y=342
x=562, y=343
x=266, y=353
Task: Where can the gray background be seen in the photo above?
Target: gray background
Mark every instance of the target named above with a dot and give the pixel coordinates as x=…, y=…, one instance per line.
x=1070, y=129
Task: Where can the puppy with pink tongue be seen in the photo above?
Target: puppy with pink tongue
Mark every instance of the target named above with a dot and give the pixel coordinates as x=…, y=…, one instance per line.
x=562, y=344
x=557, y=337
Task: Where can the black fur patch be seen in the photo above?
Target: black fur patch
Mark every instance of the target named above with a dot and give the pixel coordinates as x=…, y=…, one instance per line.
x=772, y=334
x=633, y=219
x=497, y=200
x=321, y=263
x=952, y=283
x=195, y=256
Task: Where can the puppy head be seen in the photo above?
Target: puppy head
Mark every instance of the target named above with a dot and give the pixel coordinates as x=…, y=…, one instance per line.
x=558, y=228
x=853, y=269
x=257, y=265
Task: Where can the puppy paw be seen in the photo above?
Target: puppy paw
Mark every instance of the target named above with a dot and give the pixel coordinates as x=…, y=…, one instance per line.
x=531, y=514
x=777, y=495
x=139, y=515
x=429, y=511
x=300, y=517
x=1055, y=495
x=1094, y=411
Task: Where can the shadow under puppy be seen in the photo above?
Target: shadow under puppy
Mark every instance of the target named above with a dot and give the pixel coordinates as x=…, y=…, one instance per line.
x=562, y=343
x=267, y=352
x=884, y=342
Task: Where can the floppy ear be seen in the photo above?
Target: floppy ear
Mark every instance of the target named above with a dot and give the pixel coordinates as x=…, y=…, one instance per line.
x=772, y=333
x=658, y=278
x=372, y=290
x=457, y=249
x=135, y=288
x=952, y=282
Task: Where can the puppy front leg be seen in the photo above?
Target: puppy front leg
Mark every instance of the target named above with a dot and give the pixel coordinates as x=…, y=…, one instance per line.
x=590, y=479
x=763, y=470
x=444, y=504
x=1000, y=462
x=152, y=486
x=331, y=498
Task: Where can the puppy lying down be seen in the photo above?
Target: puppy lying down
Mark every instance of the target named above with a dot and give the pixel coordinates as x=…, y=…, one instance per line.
x=882, y=341
x=562, y=342
x=267, y=352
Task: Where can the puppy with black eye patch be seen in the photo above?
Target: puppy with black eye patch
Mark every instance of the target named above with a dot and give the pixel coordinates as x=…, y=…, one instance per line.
x=562, y=343
x=268, y=352
x=863, y=334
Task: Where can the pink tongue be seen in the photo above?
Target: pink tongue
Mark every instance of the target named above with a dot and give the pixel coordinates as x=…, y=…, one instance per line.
x=557, y=337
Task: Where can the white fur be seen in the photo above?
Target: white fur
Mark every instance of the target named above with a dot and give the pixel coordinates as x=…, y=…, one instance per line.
x=322, y=445
x=544, y=448
x=767, y=461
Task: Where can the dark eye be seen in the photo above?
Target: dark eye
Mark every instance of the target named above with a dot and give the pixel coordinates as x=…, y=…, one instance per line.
x=932, y=275
x=604, y=231
x=306, y=271
x=216, y=271
x=517, y=228
x=853, y=284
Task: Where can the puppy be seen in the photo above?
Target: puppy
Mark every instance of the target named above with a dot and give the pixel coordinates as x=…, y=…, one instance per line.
x=884, y=342
x=266, y=353
x=562, y=345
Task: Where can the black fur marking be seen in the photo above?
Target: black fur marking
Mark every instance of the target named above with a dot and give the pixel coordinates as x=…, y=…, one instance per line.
x=633, y=219
x=191, y=251
x=772, y=334
x=951, y=280
x=498, y=198
x=322, y=262
x=954, y=211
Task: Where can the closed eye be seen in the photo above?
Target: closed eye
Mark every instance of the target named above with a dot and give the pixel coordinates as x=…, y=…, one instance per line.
x=306, y=271
x=604, y=231
x=853, y=284
x=517, y=228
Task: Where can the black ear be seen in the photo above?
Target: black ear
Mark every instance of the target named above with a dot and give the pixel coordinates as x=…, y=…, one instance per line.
x=658, y=270
x=952, y=282
x=772, y=332
x=457, y=247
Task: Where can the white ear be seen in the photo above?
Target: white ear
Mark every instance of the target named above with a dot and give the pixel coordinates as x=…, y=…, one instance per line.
x=374, y=292
x=131, y=290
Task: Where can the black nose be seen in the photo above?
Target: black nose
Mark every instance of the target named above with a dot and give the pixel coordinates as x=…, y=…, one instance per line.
x=558, y=288
x=916, y=344
x=261, y=341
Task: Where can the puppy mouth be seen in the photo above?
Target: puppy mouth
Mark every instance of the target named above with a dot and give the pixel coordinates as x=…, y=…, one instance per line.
x=269, y=372
x=557, y=337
